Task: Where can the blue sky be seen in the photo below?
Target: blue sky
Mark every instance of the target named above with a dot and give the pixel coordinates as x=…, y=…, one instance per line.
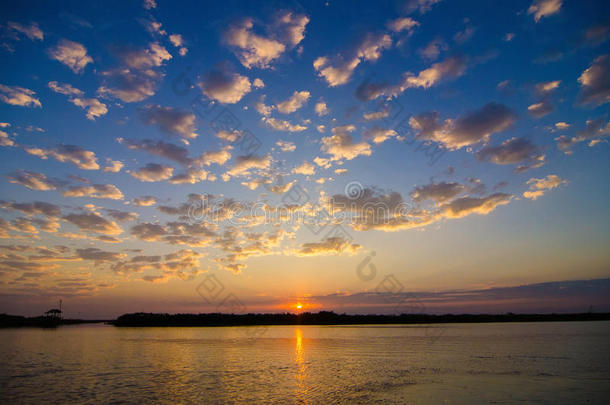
x=464, y=143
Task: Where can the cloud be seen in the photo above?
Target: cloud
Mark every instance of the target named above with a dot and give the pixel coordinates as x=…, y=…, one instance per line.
x=537, y=187
x=469, y=129
x=71, y=54
x=379, y=135
x=144, y=201
x=5, y=140
x=150, y=4
x=376, y=115
x=539, y=110
x=421, y=6
x=282, y=125
x=81, y=158
x=175, y=233
x=306, y=169
x=464, y=206
x=65, y=89
x=463, y=36
x=159, y=148
x=94, y=107
x=98, y=255
x=341, y=145
x=547, y=87
x=296, y=101
x=33, y=208
x=513, y=151
x=108, y=191
x=253, y=50
x=594, y=131
x=329, y=246
x=33, y=180
x=544, y=8
x=129, y=86
x=228, y=136
x=171, y=120
x=262, y=108
x=192, y=176
x=291, y=27
x=137, y=78
x=15, y=95
x=450, y=68
x=178, y=153
x=595, y=82
x=244, y=164
x=122, y=216
x=437, y=192
x=219, y=157
x=32, y=31
x=433, y=50
x=321, y=109
x=178, y=42
x=114, y=166
x=144, y=59
x=94, y=222
x=222, y=85
x=339, y=70
x=402, y=24
x=286, y=146
x=153, y=172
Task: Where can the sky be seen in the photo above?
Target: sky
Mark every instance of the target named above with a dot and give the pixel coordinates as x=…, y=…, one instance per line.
x=363, y=157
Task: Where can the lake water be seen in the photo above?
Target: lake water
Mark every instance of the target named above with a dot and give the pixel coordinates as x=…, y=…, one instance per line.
x=547, y=363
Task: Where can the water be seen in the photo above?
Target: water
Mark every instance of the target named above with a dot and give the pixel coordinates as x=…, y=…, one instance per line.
x=548, y=363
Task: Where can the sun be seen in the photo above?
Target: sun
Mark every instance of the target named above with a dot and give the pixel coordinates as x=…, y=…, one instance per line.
x=299, y=306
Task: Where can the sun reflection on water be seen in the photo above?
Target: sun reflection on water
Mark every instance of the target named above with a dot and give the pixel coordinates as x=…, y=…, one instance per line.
x=301, y=369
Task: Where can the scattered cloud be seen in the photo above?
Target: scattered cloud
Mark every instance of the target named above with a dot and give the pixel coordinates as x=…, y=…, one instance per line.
x=33, y=180
x=544, y=8
x=379, y=135
x=170, y=120
x=225, y=86
x=144, y=201
x=81, y=158
x=328, y=246
x=437, y=192
x=108, y=191
x=31, y=31
x=450, y=68
x=244, y=164
x=283, y=125
x=153, y=172
x=306, y=169
x=71, y=54
x=286, y=146
x=512, y=151
x=15, y=95
x=341, y=145
x=253, y=50
x=465, y=206
x=472, y=128
x=595, y=82
x=93, y=222
x=296, y=101
x=338, y=70
x=538, y=187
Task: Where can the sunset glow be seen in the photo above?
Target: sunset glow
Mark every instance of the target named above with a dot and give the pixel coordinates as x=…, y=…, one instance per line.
x=190, y=159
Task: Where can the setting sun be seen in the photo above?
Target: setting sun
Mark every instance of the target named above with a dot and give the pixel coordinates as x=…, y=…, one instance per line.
x=299, y=306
